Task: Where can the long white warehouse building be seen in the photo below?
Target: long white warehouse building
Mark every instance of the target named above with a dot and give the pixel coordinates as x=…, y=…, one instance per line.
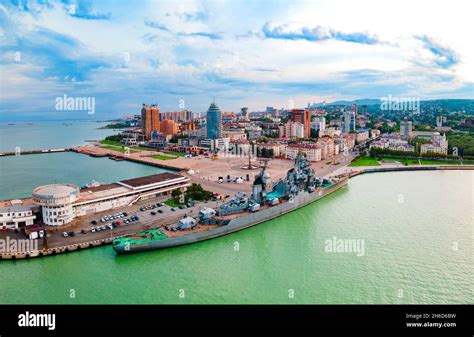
x=61, y=203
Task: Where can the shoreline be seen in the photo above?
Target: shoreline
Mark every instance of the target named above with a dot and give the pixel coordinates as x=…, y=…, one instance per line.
x=108, y=240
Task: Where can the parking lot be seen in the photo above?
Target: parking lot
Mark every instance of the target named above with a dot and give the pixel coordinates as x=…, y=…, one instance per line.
x=82, y=226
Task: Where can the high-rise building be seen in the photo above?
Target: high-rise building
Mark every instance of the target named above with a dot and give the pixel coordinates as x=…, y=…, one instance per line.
x=186, y=126
x=406, y=128
x=150, y=120
x=319, y=123
x=245, y=113
x=168, y=127
x=348, y=121
x=269, y=109
x=214, y=122
x=291, y=130
x=302, y=116
x=177, y=116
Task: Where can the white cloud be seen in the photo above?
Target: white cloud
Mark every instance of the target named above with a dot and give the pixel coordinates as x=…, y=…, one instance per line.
x=242, y=68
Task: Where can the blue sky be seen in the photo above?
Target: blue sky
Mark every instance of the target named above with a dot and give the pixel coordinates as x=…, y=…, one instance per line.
x=243, y=53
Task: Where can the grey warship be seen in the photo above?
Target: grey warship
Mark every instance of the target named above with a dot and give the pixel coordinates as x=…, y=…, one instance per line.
x=299, y=188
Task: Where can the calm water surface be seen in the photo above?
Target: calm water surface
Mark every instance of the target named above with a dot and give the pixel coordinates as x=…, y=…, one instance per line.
x=417, y=229
x=49, y=134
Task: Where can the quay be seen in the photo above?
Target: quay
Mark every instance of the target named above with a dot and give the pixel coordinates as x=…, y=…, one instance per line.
x=366, y=170
x=98, y=152
x=57, y=244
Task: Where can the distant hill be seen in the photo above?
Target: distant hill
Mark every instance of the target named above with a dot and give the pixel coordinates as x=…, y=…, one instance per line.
x=451, y=104
x=363, y=101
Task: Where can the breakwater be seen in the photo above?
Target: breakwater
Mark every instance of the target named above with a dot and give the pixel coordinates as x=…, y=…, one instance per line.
x=20, y=153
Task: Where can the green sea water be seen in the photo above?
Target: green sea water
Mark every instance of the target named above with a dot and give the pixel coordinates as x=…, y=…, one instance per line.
x=417, y=230
x=19, y=175
x=50, y=134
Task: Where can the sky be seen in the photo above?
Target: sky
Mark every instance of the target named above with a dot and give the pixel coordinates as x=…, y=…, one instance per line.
x=183, y=54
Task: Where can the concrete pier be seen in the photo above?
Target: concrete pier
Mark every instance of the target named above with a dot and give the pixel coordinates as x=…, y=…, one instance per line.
x=34, y=152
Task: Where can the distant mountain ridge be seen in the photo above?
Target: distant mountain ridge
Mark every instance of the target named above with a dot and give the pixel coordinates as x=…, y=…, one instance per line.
x=376, y=101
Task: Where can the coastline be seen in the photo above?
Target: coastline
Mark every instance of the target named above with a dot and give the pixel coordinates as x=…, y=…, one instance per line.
x=109, y=240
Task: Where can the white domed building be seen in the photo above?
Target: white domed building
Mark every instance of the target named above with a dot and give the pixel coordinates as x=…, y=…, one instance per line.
x=56, y=202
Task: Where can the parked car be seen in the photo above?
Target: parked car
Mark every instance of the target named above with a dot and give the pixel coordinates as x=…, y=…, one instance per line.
x=182, y=207
x=65, y=234
x=83, y=231
x=92, y=229
x=173, y=210
x=102, y=227
x=94, y=222
x=153, y=213
x=110, y=226
x=160, y=211
x=72, y=234
x=125, y=214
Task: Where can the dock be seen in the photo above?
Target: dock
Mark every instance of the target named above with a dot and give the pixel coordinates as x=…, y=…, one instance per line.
x=411, y=168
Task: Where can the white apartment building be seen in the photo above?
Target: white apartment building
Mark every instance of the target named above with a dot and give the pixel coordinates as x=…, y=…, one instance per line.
x=16, y=216
x=439, y=144
x=319, y=123
x=362, y=135
x=328, y=148
x=312, y=151
x=291, y=130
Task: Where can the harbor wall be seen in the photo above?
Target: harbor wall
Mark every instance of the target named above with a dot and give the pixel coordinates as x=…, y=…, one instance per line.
x=34, y=152
x=412, y=168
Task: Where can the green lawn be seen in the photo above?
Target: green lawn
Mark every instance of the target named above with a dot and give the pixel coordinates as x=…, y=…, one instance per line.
x=138, y=148
x=403, y=161
x=439, y=162
x=369, y=161
x=111, y=142
x=172, y=203
x=120, y=147
x=162, y=157
x=177, y=154
x=365, y=161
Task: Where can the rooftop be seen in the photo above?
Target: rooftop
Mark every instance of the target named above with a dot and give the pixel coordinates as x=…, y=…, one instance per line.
x=148, y=180
x=305, y=146
x=15, y=208
x=55, y=190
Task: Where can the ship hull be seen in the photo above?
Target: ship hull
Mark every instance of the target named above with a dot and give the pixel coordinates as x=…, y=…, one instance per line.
x=236, y=224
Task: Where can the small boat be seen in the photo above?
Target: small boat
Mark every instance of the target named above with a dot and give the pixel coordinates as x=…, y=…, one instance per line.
x=11, y=123
x=29, y=123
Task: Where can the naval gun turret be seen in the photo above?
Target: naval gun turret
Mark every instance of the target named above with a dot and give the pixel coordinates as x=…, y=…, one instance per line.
x=300, y=178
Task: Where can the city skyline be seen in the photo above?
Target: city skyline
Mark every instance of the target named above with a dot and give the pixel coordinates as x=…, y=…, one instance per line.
x=242, y=53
